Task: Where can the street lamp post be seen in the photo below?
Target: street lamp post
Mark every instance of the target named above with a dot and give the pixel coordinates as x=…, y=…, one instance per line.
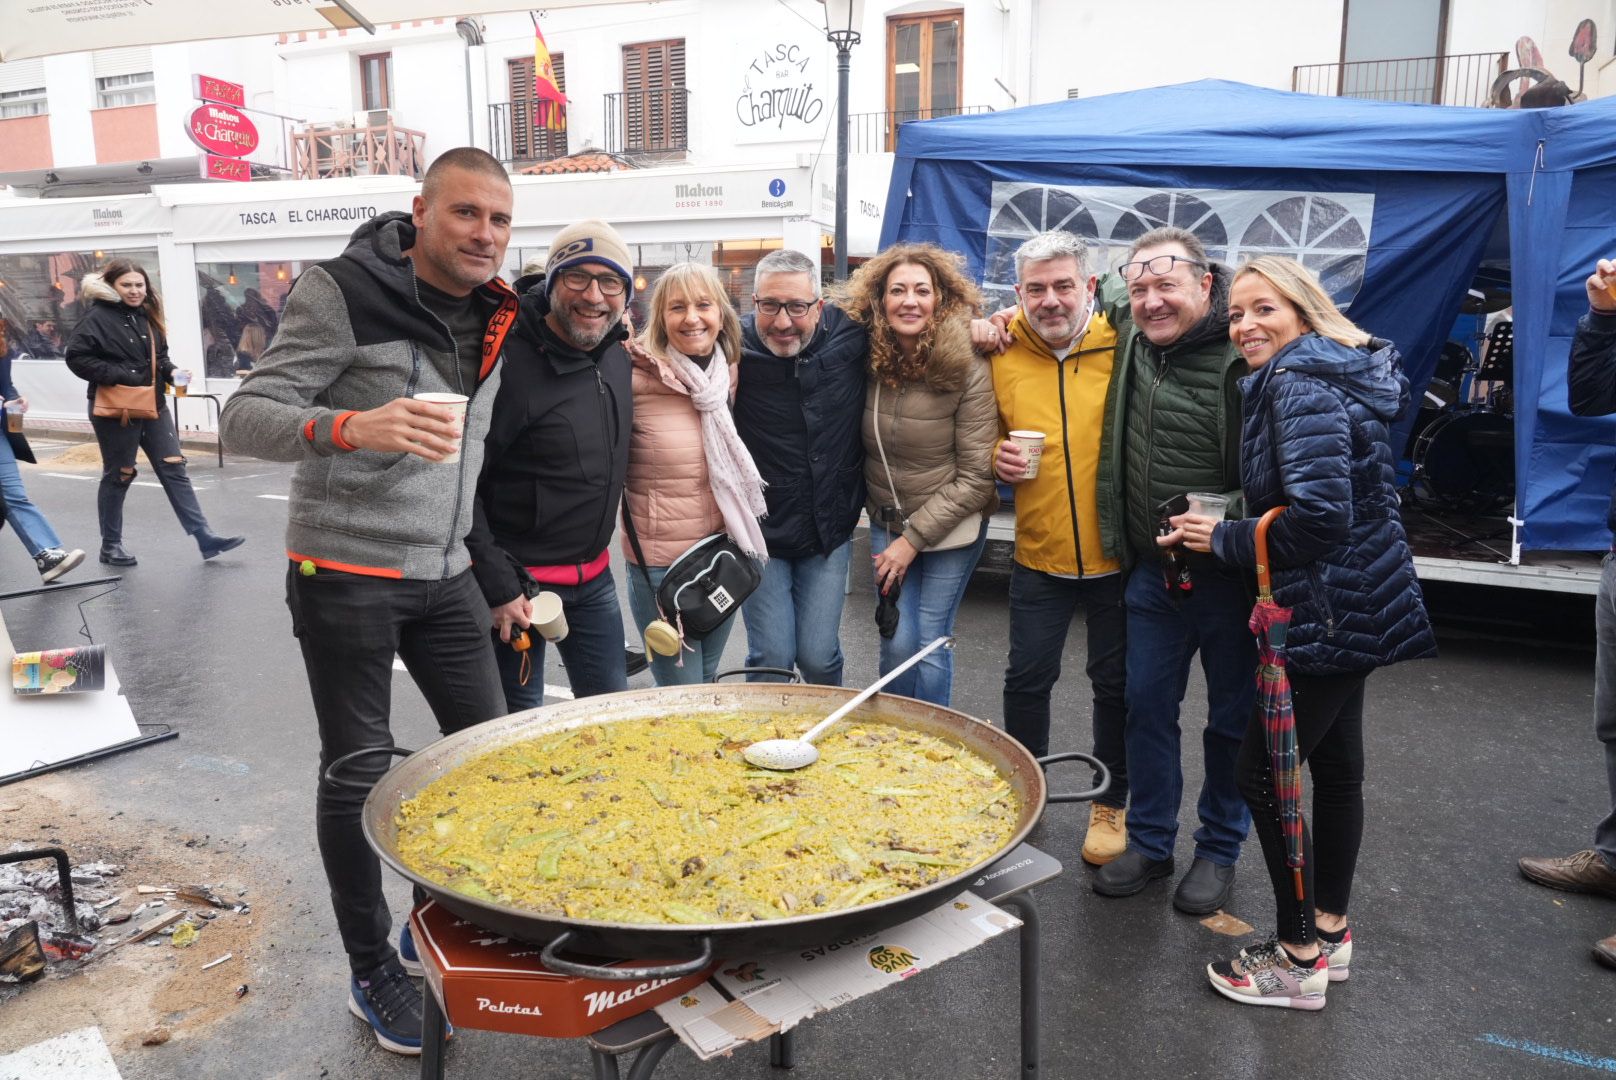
x=843, y=18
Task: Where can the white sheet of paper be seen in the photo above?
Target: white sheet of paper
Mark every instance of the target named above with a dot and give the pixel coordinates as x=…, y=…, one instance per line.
x=42, y=729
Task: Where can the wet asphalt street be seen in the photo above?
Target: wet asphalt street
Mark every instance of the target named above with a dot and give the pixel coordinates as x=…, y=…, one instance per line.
x=1462, y=968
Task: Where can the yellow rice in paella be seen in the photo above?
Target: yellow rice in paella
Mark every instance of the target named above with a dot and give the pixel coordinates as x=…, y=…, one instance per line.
x=663, y=821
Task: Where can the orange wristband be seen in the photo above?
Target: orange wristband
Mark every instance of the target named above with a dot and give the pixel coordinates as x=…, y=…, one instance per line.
x=336, y=431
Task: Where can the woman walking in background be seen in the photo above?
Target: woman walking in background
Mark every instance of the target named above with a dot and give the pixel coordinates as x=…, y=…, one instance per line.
x=31, y=526
x=930, y=427
x=1315, y=440
x=689, y=474
x=122, y=341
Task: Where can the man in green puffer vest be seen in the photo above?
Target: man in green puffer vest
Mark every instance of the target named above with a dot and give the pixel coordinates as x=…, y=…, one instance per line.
x=1175, y=404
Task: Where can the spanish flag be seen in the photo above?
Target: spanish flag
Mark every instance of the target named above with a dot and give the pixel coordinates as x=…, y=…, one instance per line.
x=550, y=104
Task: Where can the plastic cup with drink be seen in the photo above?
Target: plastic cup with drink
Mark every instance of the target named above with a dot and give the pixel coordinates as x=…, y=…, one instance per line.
x=1209, y=504
x=457, y=404
x=1032, y=449
x=14, y=413
x=182, y=382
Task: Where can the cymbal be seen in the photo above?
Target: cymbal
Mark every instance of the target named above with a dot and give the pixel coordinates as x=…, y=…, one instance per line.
x=1479, y=302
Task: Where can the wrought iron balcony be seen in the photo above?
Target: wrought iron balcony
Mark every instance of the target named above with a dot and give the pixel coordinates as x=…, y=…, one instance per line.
x=517, y=136
x=325, y=150
x=1461, y=79
x=648, y=122
x=872, y=133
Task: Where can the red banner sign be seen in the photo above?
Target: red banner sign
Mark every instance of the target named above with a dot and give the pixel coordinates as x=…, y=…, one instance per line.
x=224, y=168
x=221, y=129
x=208, y=88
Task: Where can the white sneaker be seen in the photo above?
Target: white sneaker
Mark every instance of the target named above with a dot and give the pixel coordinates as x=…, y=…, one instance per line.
x=1339, y=954
x=1265, y=975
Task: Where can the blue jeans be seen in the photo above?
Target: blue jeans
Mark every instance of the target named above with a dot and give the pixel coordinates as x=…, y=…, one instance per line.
x=162, y=447
x=33, y=530
x=698, y=666
x=932, y=590
x=1164, y=633
x=592, y=651
x=794, y=619
x=1041, y=610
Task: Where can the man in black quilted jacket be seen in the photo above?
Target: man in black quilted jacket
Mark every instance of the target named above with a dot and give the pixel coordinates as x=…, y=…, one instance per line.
x=1592, y=392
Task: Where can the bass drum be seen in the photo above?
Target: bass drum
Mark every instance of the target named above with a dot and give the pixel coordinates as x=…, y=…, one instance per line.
x=1439, y=397
x=1465, y=458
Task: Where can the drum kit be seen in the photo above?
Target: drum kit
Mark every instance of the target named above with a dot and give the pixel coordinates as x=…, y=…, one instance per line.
x=1463, y=439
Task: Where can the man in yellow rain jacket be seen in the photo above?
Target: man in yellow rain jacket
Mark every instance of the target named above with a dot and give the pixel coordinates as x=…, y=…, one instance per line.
x=1052, y=379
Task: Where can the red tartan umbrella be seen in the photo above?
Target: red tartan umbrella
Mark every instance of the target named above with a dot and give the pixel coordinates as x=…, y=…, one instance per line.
x=1270, y=622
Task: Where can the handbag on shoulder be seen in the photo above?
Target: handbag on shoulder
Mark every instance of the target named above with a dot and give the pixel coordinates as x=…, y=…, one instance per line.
x=704, y=586
x=126, y=403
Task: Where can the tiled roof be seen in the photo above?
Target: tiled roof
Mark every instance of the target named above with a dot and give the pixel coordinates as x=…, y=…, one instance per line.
x=586, y=161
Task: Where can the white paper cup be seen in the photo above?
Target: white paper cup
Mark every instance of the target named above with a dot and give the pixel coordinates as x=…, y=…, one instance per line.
x=1032, y=448
x=547, y=617
x=458, y=403
x=1208, y=504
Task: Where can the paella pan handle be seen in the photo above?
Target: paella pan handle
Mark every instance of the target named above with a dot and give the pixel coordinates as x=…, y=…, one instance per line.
x=791, y=676
x=1095, y=763
x=332, y=777
x=551, y=958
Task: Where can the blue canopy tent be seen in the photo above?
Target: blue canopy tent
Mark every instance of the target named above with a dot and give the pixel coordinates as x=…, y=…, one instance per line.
x=1392, y=204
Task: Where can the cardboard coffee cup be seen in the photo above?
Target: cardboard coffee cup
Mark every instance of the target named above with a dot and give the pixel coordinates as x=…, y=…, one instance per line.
x=1208, y=504
x=1032, y=448
x=458, y=403
x=14, y=412
x=547, y=617
x=79, y=669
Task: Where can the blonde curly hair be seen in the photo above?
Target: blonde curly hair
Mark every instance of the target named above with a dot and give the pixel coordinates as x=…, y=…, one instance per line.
x=861, y=296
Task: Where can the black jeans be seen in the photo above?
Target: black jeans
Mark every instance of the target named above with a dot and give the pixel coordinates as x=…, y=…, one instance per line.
x=1041, y=610
x=1329, y=737
x=349, y=627
x=162, y=446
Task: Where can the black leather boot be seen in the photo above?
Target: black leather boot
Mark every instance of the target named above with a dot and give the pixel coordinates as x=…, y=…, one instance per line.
x=217, y=545
x=115, y=555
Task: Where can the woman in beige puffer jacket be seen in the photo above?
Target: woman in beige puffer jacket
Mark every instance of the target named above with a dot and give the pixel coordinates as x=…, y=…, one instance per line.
x=930, y=426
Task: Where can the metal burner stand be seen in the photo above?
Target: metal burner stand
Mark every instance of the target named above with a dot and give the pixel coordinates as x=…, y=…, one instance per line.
x=1007, y=882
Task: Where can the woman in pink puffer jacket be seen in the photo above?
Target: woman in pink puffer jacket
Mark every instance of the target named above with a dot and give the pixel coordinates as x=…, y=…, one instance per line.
x=689, y=475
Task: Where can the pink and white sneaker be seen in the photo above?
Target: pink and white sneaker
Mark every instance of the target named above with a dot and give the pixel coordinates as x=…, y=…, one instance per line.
x=1264, y=975
x=1339, y=954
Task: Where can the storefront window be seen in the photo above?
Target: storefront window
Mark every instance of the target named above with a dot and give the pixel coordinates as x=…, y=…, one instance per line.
x=41, y=298
x=241, y=310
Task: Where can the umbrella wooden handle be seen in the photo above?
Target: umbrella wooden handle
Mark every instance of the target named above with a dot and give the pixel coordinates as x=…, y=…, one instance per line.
x=1265, y=588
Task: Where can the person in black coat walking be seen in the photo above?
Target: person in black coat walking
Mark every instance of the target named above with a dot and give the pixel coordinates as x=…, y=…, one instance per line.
x=122, y=341
x=1314, y=439
x=1591, y=391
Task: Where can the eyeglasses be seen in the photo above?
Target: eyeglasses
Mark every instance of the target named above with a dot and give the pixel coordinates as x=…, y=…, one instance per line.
x=578, y=281
x=795, y=308
x=1161, y=264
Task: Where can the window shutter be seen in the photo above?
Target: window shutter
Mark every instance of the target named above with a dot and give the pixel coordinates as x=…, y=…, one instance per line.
x=133, y=60
x=22, y=75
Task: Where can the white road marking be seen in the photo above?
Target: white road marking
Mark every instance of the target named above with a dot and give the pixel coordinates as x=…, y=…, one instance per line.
x=549, y=691
x=282, y=498
x=72, y=476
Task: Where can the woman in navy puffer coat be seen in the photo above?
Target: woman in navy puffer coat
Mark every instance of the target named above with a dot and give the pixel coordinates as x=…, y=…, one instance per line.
x=1316, y=414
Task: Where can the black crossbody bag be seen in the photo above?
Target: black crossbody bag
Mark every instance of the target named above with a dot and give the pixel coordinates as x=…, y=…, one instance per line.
x=704, y=586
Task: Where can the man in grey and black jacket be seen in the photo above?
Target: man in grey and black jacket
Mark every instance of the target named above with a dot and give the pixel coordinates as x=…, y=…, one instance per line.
x=380, y=504
x=1591, y=391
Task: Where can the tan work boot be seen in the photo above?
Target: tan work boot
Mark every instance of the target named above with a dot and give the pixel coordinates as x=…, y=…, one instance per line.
x=1108, y=834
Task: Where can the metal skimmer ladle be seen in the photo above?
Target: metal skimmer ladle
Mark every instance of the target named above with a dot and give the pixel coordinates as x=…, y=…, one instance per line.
x=785, y=755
